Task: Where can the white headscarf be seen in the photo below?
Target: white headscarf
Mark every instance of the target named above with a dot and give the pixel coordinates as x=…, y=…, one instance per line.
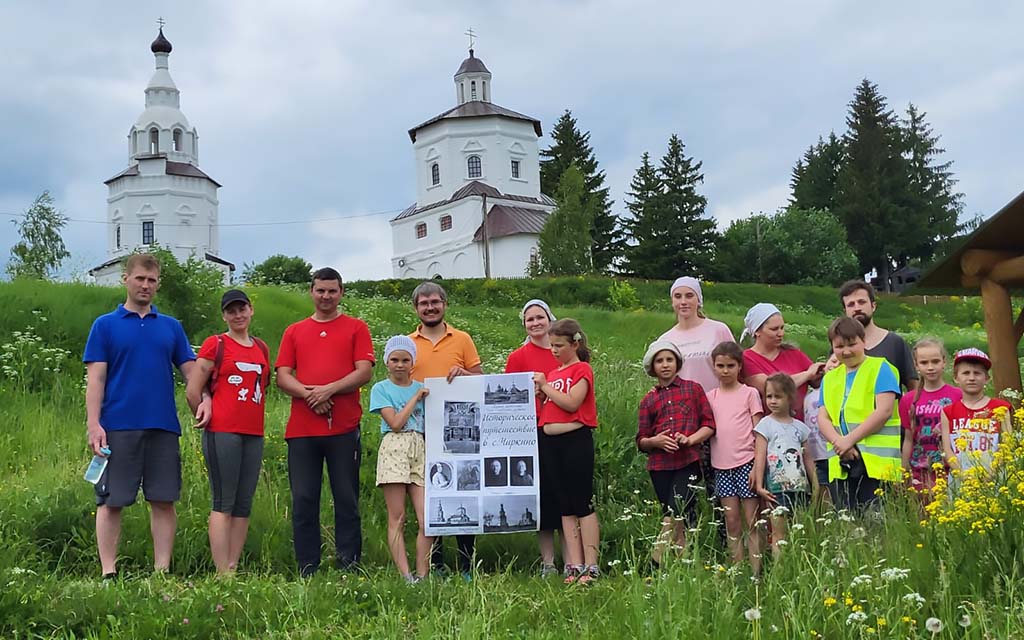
x=757, y=316
x=536, y=303
x=693, y=283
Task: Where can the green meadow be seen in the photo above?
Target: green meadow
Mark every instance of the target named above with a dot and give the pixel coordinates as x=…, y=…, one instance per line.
x=839, y=576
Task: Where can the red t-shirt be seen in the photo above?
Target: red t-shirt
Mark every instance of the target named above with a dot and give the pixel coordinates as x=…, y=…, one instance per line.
x=319, y=353
x=530, y=357
x=974, y=433
x=788, y=361
x=563, y=380
x=239, y=401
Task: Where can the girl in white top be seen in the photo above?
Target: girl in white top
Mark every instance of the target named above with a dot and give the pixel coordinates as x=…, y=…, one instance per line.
x=694, y=334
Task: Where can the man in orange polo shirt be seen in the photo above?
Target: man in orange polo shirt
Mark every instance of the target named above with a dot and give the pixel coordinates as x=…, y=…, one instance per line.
x=443, y=351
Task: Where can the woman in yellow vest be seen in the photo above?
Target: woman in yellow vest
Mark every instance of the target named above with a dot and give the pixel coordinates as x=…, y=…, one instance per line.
x=859, y=418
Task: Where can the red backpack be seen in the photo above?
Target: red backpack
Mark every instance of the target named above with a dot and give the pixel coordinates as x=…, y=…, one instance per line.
x=218, y=360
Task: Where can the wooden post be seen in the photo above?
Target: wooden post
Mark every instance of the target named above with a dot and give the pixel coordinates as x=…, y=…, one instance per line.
x=1002, y=343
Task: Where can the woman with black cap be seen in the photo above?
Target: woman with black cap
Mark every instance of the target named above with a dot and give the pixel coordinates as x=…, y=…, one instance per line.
x=236, y=367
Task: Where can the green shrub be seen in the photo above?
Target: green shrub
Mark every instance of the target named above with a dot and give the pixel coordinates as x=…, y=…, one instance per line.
x=622, y=296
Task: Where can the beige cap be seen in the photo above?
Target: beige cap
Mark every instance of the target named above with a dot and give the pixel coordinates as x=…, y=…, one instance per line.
x=656, y=346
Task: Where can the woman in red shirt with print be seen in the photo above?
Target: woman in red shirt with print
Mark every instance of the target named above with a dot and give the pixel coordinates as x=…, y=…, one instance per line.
x=535, y=357
x=568, y=417
x=237, y=367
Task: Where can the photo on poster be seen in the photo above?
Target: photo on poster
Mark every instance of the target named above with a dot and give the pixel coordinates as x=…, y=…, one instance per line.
x=496, y=472
x=454, y=512
x=505, y=513
x=521, y=470
x=461, y=427
x=507, y=390
x=440, y=474
x=468, y=475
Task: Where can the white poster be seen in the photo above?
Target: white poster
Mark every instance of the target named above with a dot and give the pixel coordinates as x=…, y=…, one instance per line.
x=482, y=470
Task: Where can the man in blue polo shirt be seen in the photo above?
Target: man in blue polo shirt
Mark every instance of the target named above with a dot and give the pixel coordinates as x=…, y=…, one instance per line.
x=129, y=401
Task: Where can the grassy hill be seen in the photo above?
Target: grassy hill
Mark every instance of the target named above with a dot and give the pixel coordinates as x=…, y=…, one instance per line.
x=48, y=565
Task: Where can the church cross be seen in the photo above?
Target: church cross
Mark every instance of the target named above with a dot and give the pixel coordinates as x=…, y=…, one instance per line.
x=160, y=21
x=472, y=36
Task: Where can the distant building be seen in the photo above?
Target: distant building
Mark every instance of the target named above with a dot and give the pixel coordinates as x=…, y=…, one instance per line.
x=163, y=197
x=474, y=157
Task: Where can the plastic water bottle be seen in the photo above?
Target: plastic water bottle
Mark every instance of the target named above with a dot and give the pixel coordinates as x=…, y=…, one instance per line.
x=97, y=466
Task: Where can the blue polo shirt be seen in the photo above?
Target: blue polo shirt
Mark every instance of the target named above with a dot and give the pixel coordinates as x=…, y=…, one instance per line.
x=141, y=353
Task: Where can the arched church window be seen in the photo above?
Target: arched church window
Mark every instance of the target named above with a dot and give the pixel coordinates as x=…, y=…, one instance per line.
x=117, y=236
x=154, y=141
x=421, y=230
x=472, y=90
x=435, y=174
x=484, y=83
x=176, y=140
x=446, y=223
x=462, y=92
x=474, y=167
x=147, y=232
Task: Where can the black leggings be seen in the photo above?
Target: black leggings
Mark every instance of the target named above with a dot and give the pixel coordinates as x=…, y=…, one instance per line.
x=569, y=467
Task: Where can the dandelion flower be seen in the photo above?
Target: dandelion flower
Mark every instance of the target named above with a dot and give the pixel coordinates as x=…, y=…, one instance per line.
x=965, y=621
x=933, y=625
x=752, y=614
x=830, y=601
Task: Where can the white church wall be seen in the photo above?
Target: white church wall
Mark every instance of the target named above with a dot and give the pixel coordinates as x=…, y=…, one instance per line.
x=510, y=255
x=496, y=140
x=417, y=254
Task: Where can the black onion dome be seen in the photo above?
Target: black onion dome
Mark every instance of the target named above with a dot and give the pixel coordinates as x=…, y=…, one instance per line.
x=161, y=44
x=472, y=64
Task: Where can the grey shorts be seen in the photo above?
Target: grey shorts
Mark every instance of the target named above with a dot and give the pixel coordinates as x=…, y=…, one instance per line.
x=233, y=461
x=149, y=458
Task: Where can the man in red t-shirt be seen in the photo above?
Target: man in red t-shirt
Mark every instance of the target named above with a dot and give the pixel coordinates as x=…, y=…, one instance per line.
x=322, y=363
x=443, y=351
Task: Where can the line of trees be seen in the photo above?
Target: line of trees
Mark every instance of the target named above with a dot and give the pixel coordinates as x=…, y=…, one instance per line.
x=877, y=198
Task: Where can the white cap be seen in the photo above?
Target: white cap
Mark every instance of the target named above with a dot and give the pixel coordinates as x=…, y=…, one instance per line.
x=400, y=343
x=656, y=347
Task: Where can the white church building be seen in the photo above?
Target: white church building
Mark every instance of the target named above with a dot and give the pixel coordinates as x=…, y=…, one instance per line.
x=476, y=161
x=163, y=197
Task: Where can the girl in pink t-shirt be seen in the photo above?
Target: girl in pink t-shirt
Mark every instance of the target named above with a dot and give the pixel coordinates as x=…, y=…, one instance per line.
x=921, y=417
x=737, y=409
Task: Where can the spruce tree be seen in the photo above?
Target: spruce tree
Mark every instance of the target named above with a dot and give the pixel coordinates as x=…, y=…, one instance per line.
x=875, y=198
x=937, y=205
x=564, y=246
x=671, y=233
x=816, y=175
x=642, y=200
x=571, y=146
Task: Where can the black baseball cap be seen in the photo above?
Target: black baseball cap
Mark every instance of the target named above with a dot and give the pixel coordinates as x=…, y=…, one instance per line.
x=233, y=295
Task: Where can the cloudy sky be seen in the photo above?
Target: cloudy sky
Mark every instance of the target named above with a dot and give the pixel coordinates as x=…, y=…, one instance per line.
x=302, y=107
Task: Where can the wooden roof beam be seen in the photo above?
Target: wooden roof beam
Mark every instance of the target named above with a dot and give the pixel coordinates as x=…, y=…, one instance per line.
x=979, y=262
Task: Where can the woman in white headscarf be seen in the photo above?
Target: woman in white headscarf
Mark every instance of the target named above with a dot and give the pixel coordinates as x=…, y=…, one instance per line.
x=695, y=335
x=770, y=354
x=535, y=357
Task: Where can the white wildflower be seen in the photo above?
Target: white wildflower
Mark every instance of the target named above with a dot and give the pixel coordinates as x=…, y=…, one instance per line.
x=914, y=598
x=797, y=527
x=752, y=614
x=893, y=573
x=856, y=616
x=933, y=625
x=965, y=621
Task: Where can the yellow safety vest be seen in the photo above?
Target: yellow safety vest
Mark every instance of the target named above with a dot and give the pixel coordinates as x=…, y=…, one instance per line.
x=880, y=450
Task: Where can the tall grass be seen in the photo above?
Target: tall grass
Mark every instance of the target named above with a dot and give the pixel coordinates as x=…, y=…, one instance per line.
x=49, y=572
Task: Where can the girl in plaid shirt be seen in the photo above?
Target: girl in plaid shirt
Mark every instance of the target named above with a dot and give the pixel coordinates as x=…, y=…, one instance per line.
x=673, y=420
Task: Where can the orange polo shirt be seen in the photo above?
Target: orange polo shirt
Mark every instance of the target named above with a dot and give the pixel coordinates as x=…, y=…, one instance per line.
x=436, y=360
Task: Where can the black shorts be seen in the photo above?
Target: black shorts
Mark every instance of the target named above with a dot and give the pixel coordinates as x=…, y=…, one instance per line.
x=675, y=492
x=550, y=508
x=569, y=472
x=149, y=458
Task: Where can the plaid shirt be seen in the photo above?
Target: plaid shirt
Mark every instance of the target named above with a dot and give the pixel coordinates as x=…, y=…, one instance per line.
x=681, y=407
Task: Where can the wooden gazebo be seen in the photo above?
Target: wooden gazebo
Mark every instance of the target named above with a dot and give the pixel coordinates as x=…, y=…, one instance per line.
x=991, y=260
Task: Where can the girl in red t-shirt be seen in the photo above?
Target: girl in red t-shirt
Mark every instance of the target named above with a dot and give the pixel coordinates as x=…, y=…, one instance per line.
x=568, y=417
x=238, y=367
x=535, y=357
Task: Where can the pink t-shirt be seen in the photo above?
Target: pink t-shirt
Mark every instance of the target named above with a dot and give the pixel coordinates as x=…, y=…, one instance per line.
x=696, y=345
x=788, y=361
x=926, y=434
x=733, y=442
